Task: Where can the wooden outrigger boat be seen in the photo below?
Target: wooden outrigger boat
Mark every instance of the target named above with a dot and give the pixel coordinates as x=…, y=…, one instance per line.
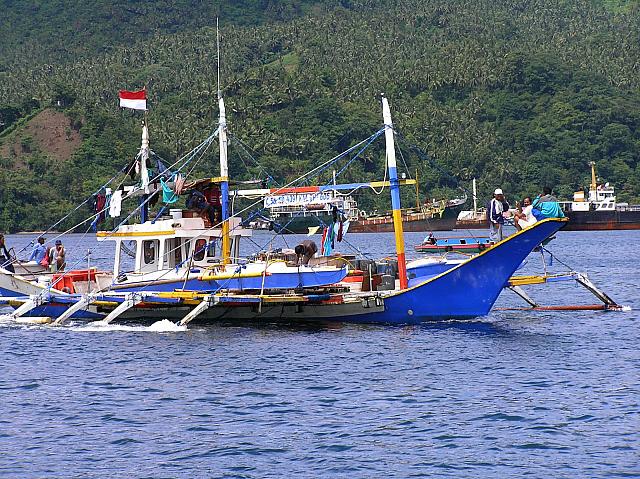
x=466, y=289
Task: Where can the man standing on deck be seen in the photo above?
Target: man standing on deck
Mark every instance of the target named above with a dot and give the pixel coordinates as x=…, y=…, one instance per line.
x=39, y=251
x=305, y=251
x=497, y=210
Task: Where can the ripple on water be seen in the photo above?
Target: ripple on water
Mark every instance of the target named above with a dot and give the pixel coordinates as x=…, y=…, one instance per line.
x=510, y=395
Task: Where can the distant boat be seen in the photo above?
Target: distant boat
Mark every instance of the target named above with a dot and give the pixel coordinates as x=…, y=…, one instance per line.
x=461, y=245
x=434, y=216
x=475, y=218
x=599, y=211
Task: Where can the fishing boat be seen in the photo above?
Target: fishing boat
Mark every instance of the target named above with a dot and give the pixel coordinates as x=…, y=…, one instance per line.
x=181, y=250
x=599, y=210
x=464, y=290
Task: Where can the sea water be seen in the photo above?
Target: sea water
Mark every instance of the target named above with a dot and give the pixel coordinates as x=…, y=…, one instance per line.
x=513, y=394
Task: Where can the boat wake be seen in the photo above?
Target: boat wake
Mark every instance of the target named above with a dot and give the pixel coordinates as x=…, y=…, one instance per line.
x=162, y=326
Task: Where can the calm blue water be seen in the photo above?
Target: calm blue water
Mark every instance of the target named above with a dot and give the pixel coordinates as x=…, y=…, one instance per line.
x=515, y=394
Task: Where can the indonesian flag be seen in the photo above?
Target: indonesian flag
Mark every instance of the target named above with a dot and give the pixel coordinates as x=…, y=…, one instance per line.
x=136, y=100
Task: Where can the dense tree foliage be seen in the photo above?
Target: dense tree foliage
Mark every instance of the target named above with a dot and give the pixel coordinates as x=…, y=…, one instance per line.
x=517, y=94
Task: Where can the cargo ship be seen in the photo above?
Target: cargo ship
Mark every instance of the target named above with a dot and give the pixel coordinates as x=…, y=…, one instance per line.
x=304, y=210
x=433, y=216
x=599, y=210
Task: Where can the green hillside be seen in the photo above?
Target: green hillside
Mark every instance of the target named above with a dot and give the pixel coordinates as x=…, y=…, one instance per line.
x=518, y=95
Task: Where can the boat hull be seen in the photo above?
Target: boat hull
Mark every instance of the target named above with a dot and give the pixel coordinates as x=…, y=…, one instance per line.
x=385, y=225
x=465, y=291
x=476, y=224
x=444, y=220
x=603, y=220
x=417, y=222
x=304, y=277
x=13, y=285
x=300, y=224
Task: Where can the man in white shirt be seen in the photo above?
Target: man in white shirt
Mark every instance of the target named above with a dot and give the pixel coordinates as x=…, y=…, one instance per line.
x=497, y=210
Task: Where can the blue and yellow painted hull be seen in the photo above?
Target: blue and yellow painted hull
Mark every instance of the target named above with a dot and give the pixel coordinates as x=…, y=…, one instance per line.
x=465, y=291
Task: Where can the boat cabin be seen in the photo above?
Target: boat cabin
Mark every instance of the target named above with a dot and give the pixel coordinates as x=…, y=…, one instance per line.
x=171, y=242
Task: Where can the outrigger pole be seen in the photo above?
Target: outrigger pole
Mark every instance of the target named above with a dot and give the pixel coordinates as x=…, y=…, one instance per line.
x=395, y=193
x=224, y=167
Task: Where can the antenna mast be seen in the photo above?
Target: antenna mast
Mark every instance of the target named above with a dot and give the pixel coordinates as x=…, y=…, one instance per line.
x=218, y=49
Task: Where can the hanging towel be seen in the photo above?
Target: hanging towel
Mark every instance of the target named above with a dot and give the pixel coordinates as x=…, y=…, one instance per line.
x=115, y=206
x=178, y=184
x=168, y=195
x=324, y=238
x=328, y=242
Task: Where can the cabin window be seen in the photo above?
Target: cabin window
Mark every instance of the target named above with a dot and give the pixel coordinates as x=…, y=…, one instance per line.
x=187, y=249
x=463, y=241
x=127, y=260
x=172, y=252
x=177, y=251
x=200, y=250
x=150, y=251
x=211, y=248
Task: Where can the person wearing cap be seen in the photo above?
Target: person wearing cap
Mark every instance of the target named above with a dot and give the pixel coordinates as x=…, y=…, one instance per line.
x=57, y=257
x=497, y=210
x=39, y=251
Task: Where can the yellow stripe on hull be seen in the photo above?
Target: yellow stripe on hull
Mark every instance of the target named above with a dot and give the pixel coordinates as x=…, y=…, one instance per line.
x=221, y=276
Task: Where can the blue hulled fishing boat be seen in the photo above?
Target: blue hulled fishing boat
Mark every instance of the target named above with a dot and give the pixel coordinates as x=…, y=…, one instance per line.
x=250, y=290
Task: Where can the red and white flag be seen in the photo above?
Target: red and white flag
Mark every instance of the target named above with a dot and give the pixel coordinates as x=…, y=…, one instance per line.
x=136, y=100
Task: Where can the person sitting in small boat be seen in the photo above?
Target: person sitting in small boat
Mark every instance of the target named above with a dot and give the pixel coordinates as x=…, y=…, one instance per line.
x=497, y=211
x=430, y=239
x=39, y=251
x=546, y=205
x=57, y=256
x=305, y=251
x=524, y=217
x=5, y=257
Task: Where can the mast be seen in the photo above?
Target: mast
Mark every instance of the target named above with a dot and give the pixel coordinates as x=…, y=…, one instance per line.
x=417, y=191
x=475, y=199
x=224, y=167
x=144, y=173
x=395, y=193
x=594, y=184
